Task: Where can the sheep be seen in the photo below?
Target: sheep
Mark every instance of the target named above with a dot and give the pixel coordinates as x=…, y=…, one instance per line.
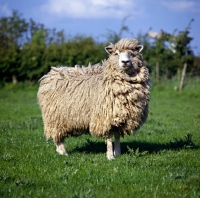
x=105, y=100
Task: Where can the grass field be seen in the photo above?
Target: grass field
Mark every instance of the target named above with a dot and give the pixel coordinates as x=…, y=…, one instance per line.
x=161, y=160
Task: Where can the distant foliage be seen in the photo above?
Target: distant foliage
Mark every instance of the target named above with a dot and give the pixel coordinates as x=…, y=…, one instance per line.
x=28, y=50
x=171, y=52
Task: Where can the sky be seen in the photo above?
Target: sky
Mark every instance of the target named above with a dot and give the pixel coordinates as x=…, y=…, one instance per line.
x=97, y=18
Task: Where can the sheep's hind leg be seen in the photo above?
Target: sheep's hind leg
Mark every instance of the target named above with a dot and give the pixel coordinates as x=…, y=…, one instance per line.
x=60, y=148
x=117, y=148
x=109, y=153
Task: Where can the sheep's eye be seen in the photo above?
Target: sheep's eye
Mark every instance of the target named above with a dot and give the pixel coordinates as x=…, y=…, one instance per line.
x=131, y=55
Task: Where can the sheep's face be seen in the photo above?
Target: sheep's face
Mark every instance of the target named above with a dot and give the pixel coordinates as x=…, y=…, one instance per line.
x=124, y=56
x=124, y=59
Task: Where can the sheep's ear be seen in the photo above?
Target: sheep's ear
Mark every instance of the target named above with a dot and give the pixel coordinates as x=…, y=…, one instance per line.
x=109, y=49
x=139, y=48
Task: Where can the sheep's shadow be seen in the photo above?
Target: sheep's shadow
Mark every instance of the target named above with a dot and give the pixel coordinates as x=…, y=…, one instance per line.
x=176, y=144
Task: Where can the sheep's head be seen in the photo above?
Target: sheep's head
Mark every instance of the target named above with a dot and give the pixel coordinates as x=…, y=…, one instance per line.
x=125, y=50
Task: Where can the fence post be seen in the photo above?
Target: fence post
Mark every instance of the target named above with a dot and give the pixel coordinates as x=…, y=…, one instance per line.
x=182, y=77
x=14, y=79
x=157, y=71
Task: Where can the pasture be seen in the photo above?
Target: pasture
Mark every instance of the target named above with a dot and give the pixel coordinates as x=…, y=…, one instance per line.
x=161, y=160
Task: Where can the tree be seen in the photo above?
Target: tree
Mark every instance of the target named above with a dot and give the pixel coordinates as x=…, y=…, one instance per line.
x=32, y=57
x=28, y=49
x=82, y=50
x=12, y=31
x=183, y=52
x=172, y=51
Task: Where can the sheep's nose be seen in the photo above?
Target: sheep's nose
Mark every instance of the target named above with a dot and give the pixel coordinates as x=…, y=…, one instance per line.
x=125, y=62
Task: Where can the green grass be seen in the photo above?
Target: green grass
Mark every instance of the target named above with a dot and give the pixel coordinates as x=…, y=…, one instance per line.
x=161, y=160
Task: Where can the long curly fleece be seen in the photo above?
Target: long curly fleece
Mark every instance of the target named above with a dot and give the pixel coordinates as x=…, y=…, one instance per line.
x=97, y=99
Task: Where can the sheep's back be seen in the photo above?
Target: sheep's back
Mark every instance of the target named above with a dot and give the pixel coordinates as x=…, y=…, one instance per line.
x=70, y=99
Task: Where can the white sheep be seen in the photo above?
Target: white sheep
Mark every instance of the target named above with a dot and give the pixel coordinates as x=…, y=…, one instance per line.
x=105, y=100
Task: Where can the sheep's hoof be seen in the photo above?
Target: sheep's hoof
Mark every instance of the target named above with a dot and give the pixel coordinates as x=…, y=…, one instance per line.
x=117, y=154
x=110, y=157
x=61, y=149
x=62, y=153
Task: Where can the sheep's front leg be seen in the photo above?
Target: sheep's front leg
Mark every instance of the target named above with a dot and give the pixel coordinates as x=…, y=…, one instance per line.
x=117, y=151
x=109, y=147
x=60, y=148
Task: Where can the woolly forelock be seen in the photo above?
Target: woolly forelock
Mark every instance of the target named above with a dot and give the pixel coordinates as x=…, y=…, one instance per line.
x=95, y=99
x=125, y=44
